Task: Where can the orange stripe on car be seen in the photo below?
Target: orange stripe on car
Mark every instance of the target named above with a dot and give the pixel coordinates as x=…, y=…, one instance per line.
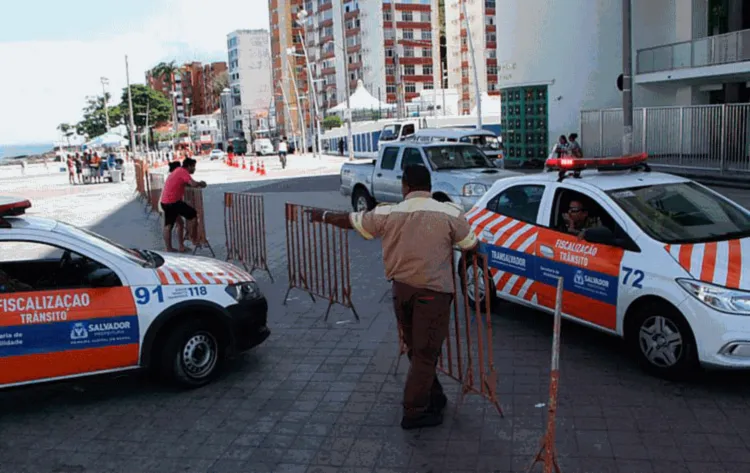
x=162, y=277
x=188, y=277
x=517, y=286
x=709, y=262
x=686, y=253
x=175, y=276
x=734, y=266
x=511, y=231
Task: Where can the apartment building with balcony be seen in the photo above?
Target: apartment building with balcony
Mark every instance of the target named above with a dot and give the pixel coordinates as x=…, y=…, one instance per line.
x=193, y=84
x=250, y=78
x=460, y=73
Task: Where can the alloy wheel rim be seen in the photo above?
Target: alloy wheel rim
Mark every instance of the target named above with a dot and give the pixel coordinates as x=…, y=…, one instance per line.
x=661, y=341
x=361, y=204
x=475, y=279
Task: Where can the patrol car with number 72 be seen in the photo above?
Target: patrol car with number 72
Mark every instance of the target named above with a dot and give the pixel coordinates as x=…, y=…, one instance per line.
x=73, y=303
x=658, y=259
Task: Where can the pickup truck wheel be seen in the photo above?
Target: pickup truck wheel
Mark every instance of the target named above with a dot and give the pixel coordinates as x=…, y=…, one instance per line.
x=362, y=201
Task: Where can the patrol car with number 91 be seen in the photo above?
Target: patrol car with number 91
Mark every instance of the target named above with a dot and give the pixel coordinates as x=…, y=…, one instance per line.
x=663, y=261
x=73, y=303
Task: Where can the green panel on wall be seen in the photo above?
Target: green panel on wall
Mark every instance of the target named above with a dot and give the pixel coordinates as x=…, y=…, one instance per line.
x=525, y=118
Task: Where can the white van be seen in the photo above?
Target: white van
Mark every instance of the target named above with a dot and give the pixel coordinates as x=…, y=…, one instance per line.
x=263, y=147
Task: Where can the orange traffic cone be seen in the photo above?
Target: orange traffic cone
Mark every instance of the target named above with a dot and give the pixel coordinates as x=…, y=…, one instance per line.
x=257, y=168
x=243, y=164
x=263, y=168
x=252, y=165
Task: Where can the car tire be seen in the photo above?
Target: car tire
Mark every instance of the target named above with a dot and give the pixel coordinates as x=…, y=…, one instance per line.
x=467, y=286
x=662, y=341
x=192, y=354
x=362, y=200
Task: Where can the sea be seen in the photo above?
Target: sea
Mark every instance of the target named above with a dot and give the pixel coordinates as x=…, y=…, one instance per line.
x=10, y=151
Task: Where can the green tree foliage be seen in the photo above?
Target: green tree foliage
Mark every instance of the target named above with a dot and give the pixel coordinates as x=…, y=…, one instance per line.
x=147, y=100
x=94, y=122
x=67, y=131
x=219, y=83
x=332, y=121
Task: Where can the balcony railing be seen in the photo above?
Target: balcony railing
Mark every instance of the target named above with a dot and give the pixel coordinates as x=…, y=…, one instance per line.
x=710, y=51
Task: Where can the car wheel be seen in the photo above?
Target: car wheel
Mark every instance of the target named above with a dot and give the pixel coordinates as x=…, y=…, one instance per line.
x=192, y=354
x=472, y=285
x=663, y=342
x=362, y=200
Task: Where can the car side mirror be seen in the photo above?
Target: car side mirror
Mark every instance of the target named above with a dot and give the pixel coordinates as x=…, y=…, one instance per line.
x=599, y=235
x=103, y=277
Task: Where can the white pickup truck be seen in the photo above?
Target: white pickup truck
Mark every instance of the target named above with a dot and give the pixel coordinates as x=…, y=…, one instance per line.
x=460, y=173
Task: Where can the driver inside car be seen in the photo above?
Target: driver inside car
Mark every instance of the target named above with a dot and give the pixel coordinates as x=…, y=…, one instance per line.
x=8, y=284
x=576, y=220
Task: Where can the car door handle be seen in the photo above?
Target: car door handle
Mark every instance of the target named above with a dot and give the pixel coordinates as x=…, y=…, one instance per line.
x=378, y=175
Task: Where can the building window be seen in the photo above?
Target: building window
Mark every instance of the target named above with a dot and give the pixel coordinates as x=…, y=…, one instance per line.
x=491, y=54
x=408, y=52
x=489, y=4
x=409, y=70
x=492, y=86
x=489, y=20
x=427, y=34
x=490, y=37
x=387, y=16
x=427, y=70
x=410, y=87
x=408, y=34
x=429, y=85
x=426, y=52
x=388, y=52
x=390, y=70
x=390, y=89
x=492, y=70
x=425, y=17
x=407, y=16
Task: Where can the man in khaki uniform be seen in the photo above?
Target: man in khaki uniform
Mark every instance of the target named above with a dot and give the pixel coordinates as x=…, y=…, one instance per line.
x=418, y=236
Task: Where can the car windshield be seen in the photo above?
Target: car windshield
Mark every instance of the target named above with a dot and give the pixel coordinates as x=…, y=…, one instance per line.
x=92, y=238
x=456, y=157
x=487, y=142
x=683, y=213
x=390, y=132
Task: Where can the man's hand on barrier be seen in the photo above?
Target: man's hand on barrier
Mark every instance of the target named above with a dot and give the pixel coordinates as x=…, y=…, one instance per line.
x=203, y=184
x=337, y=219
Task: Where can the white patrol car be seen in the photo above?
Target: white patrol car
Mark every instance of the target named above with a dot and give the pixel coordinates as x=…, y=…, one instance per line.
x=657, y=259
x=73, y=303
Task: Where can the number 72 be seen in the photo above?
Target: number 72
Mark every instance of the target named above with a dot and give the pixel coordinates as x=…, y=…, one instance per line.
x=637, y=277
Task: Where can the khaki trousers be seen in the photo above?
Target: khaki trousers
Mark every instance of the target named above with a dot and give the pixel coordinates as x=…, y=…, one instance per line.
x=423, y=316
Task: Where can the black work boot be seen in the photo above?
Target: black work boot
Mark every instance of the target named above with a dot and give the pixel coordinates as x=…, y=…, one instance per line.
x=429, y=418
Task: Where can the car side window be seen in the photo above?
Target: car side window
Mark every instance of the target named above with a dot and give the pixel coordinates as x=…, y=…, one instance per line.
x=411, y=156
x=34, y=266
x=519, y=202
x=407, y=130
x=389, y=158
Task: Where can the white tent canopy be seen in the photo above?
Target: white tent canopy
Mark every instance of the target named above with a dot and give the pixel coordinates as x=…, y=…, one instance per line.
x=490, y=105
x=107, y=140
x=361, y=99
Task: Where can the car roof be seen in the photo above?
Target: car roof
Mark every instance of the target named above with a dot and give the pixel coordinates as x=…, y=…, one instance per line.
x=416, y=144
x=606, y=180
x=30, y=223
x=452, y=132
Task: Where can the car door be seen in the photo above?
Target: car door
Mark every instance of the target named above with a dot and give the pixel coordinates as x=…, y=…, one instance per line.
x=508, y=230
x=590, y=271
x=62, y=314
x=386, y=186
x=411, y=156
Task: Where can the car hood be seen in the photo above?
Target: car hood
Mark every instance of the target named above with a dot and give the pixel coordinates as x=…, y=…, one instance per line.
x=188, y=269
x=486, y=176
x=724, y=263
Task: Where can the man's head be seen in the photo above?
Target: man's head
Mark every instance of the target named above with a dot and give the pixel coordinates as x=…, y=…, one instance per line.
x=577, y=211
x=174, y=165
x=573, y=136
x=415, y=178
x=189, y=164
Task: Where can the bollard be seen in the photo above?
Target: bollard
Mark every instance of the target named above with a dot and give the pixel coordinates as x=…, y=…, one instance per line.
x=547, y=454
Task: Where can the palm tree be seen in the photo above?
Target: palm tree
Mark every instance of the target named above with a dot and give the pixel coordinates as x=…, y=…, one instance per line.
x=67, y=131
x=166, y=71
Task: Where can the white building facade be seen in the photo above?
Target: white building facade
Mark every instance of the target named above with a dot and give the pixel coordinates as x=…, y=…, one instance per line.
x=558, y=68
x=206, y=130
x=249, y=65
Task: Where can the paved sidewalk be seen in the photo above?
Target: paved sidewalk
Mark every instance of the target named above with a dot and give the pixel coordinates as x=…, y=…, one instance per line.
x=322, y=398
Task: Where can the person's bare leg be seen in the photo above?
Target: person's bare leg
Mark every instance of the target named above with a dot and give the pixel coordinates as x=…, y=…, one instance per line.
x=180, y=224
x=167, y=233
x=192, y=226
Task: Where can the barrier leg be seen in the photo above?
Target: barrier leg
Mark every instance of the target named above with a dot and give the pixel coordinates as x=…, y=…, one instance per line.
x=547, y=454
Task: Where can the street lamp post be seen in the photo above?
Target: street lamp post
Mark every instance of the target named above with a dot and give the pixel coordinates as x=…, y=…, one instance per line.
x=301, y=17
x=105, y=82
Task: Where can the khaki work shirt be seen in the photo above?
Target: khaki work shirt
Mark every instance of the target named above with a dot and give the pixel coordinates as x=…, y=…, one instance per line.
x=418, y=236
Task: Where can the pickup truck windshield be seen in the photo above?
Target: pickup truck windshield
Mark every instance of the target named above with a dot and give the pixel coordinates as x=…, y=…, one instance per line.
x=482, y=141
x=456, y=157
x=390, y=132
x=682, y=213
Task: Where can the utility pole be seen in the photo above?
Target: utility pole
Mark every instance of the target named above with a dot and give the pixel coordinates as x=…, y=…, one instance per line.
x=473, y=66
x=627, y=79
x=300, y=111
x=130, y=107
x=105, y=82
x=397, y=64
x=349, y=139
x=288, y=112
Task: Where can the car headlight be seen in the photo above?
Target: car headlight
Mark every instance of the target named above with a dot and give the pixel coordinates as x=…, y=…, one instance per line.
x=720, y=298
x=474, y=190
x=245, y=291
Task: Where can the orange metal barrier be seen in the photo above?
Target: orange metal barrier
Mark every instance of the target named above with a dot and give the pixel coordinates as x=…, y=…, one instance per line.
x=154, y=187
x=245, y=229
x=140, y=179
x=547, y=455
x=194, y=198
x=318, y=259
x=467, y=354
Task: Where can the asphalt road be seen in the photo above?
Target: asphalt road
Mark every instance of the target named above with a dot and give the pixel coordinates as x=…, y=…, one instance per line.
x=322, y=398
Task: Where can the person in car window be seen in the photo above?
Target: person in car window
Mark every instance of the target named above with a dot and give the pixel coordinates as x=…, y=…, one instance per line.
x=8, y=284
x=577, y=219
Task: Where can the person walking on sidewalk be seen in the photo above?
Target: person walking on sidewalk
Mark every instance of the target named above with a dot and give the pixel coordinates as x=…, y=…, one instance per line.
x=173, y=204
x=418, y=236
x=283, y=149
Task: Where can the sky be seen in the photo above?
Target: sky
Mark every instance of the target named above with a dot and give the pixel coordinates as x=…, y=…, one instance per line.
x=53, y=53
